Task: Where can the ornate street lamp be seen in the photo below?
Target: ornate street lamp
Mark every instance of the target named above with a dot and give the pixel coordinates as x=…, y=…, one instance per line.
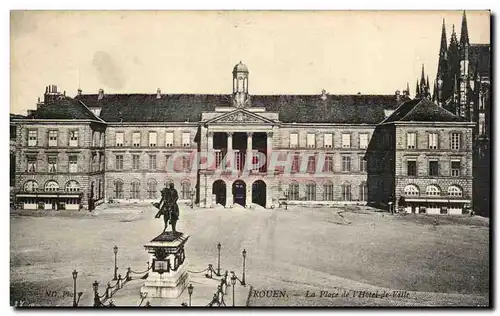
x=244, y=253
x=115, y=250
x=193, y=192
x=75, y=275
x=218, y=259
x=95, y=286
x=190, y=292
x=233, y=283
x=286, y=199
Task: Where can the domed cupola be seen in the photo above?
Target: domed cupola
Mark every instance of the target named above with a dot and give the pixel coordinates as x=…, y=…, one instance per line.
x=240, y=85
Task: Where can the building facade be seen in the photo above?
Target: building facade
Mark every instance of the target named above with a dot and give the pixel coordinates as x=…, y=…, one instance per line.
x=59, y=155
x=219, y=149
x=422, y=154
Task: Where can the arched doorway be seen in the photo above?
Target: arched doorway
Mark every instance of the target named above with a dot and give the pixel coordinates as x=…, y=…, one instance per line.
x=239, y=192
x=219, y=189
x=259, y=193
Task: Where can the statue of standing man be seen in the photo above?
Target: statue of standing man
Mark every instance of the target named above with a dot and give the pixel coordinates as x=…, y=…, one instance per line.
x=168, y=207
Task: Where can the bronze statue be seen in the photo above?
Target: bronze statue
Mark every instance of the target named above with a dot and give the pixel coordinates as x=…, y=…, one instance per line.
x=168, y=207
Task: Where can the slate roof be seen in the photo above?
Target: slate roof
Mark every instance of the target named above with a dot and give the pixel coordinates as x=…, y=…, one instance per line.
x=353, y=109
x=63, y=108
x=16, y=116
x=422, y=110
x=479, y=56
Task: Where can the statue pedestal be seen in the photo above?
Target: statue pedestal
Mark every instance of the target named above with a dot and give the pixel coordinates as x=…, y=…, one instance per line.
x=168, y=277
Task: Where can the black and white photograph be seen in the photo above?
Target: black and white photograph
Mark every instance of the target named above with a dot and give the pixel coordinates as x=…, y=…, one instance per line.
x=239, y=158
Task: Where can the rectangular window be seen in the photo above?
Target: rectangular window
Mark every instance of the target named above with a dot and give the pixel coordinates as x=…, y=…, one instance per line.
x=167, y=167
x=135, y=162
x=433, y=168
x=328, y=192
x=119, y=162
x=52, y=163
x=101, y=162
x=411, y=140
x=433, y=140
x=32, y=138
x=481, y=128
x=186, y=139
x=310, y=192
x=169, y=139
x=311, y=140
x=328, y=140
x=346, y=192
x=152, y=139
x=363, y=141
x=185, y=163
x=152, y=162
x=328, y=164
x=311, y=164
x=363, y=192
x=52, y=138
x=136, y=139
x=73, y=138
x=346, y=164
x=346, y=140
x=295, y=163
x=412, y=167
x=31, y=164
x=455, y=168
x=73, y=163
x=362, y=164
x=294, y=140
x=455, y=141
x=119, y=139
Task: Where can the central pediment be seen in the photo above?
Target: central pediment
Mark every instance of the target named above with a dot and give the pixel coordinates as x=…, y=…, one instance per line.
x=240, y=116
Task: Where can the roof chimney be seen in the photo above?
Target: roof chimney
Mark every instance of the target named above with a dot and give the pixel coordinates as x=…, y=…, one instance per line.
x=324, y=95
x=158, y=93
x=51, y=94
x=398, y=96
x=101, y=94
x=79, y=91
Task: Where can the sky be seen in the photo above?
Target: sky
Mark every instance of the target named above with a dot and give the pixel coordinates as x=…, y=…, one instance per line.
x=287, y=52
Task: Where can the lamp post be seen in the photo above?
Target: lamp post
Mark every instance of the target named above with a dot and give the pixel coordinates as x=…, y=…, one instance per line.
x=115, y=250
x=190, y=292
x=192, y=198
x=218, y=259
x=95, y=286
x=75, y=275
x=244, y=253
x=286, y=199
x=233, y=283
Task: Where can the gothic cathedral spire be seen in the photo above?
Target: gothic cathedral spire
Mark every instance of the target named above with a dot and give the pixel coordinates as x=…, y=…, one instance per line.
x=442, y=82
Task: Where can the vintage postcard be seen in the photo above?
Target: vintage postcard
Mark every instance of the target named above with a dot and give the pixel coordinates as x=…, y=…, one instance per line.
x=250, y=158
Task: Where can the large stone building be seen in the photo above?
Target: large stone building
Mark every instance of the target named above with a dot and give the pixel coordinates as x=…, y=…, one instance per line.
x=228, y=149
x=422, y=155
x=59, y=155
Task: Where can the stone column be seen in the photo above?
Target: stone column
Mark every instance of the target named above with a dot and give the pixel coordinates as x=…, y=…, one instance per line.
x=269, y=147
x=249, y=152
x=210, y=141
x=248, y=196
x=229, y=141
x=229, y=193
x=210, y=149
x=230, y=152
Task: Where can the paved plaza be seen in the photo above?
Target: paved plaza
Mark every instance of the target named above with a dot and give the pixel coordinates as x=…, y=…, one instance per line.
x=344, y=256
